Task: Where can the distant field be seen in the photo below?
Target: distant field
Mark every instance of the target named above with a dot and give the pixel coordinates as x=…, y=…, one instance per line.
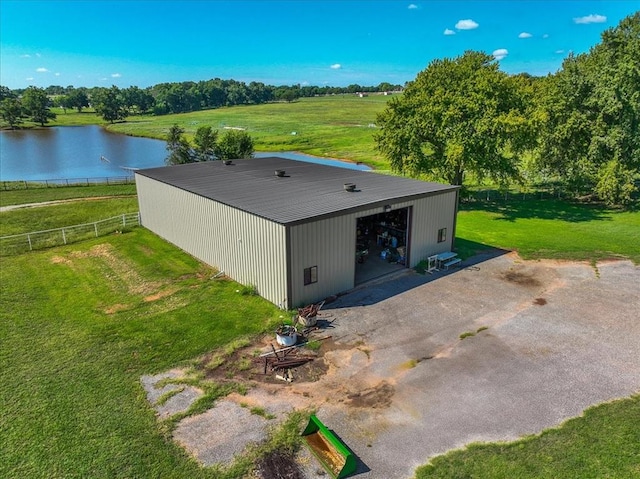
x=340, y=126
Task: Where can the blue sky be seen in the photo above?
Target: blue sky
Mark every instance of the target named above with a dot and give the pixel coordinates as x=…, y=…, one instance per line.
x=330, y=42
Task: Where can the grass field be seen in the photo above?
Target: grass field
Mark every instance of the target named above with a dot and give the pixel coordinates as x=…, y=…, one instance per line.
x=333, y=126
x=604, y=443
x=40, y=194
x=550, y=229
x=79, y=325
x=26, y=220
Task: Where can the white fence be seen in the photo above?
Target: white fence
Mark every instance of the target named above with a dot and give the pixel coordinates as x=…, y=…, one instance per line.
x=16, y=244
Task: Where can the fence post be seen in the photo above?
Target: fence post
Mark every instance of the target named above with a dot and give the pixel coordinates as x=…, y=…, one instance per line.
x=124, y=221
x=30, y=245
x=64, y=237
x=95, y=226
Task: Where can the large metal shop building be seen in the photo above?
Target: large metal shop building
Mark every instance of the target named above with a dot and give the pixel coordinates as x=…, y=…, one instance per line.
x=297, y=231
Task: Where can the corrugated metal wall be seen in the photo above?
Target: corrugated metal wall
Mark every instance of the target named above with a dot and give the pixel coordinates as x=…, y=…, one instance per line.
x=247, y=248
x=330, y=244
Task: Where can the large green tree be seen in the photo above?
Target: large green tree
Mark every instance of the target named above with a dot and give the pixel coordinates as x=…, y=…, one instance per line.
x=591, y=137
x=178, y=147
x=77, y=98
x=205, y=143
x=36, y=104
x=234, y=144
x=11, y=111
x=459, y=115
x=109, y=104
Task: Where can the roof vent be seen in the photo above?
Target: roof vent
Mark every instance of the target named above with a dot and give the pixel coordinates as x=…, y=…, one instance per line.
x=279, y=173
x=350, y=187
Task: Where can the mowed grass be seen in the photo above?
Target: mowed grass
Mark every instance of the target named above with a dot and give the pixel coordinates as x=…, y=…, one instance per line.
x=603, y=443
x=36, y=194
x=79, y=326
x=340, y=126
x=552, y=229
x=42, y=218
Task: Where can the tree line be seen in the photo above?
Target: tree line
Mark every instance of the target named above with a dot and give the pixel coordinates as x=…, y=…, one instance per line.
x=463, y=119
x=115, y=104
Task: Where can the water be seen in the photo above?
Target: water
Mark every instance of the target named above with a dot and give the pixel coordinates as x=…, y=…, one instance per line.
x=92, y=152
x=74, y=152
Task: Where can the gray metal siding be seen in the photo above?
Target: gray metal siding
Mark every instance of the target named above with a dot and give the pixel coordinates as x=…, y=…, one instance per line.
x=247, y=248
x=330, y=245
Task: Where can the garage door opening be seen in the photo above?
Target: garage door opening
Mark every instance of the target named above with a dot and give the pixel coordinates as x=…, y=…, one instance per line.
x=382, y=244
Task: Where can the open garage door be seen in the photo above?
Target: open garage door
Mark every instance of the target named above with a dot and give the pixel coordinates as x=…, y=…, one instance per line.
x=382, y=244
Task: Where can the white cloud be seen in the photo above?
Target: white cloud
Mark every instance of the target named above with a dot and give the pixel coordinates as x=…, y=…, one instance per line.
x=525, y=35
x=412, y=6
x=29, y=78
x=41, y=70
x=57, y=74
x=590, y=19
x=26, y=55
x=559, y=51
x=500, y=53
x=448, y=31
x=467, y=24
x=116, y=75
x=546, y=35
x=336, y=66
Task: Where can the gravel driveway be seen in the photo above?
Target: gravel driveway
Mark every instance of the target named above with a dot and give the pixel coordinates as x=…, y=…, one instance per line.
x=560, y=337
x=541, y=342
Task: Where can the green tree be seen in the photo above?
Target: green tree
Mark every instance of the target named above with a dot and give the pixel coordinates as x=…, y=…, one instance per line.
x=234, y=144
x=459, y=115
x=591, y=137
x=11, y=111
x=36, y=104
x=178, y=147
x=109, y=104
x=78, y=99
x=205, y=143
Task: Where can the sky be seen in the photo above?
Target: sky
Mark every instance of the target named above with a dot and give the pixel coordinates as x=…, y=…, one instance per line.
x=330, y=42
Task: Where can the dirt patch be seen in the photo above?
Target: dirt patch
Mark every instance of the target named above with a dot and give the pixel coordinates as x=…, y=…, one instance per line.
x=540, y=301
x=160, y=295
x=246, y=365
x=278, y=465
x=522, y=278
x=60, y=260
x=377, y=397
x=119, y=271
x=116, y=308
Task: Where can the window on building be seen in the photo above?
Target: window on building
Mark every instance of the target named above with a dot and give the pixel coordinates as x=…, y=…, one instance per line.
x=310, y=275
x=442, y=235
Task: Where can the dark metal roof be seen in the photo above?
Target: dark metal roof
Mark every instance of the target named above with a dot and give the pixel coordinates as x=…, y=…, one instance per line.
x=307, y=191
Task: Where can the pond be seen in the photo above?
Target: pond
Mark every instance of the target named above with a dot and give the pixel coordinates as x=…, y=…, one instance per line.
x=92, y=152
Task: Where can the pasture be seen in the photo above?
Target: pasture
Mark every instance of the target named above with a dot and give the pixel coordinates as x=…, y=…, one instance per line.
x=340, y=126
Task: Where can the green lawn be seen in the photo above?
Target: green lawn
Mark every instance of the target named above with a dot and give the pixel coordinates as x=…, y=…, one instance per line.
x=37, y=194
x=333, y=126
x=551, y=229
x=27, y=220
x=76, y=334
x=604, y=443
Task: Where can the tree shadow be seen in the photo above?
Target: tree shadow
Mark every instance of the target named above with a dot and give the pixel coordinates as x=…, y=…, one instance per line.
x=548, y=209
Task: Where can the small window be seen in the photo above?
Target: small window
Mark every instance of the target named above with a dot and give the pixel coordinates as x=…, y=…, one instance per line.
x=442, y=235
x=311, y=275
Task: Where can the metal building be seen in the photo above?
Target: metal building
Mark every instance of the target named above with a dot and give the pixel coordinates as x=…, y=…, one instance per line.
x=297, y=231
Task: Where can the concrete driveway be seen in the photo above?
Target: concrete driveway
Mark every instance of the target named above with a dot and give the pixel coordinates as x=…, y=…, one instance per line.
x=403, y=387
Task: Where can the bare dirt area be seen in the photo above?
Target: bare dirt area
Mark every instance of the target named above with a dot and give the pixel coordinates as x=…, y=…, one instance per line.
x=422, y=364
